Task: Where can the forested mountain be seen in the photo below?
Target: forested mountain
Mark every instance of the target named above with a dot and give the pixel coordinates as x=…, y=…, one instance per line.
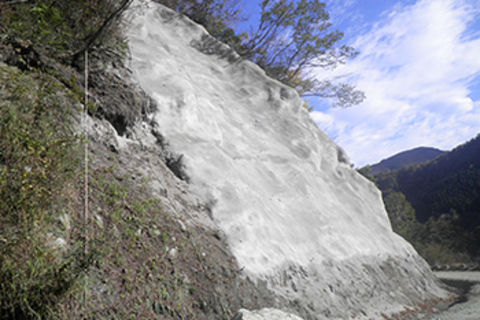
x=436, y=204
x=402, y=159
x=450, y=182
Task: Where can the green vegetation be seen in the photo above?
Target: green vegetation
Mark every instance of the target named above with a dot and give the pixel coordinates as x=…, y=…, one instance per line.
x=291, y=39
x=61, y=29
x=435, y=205
x=42, y=256
x=38, y=161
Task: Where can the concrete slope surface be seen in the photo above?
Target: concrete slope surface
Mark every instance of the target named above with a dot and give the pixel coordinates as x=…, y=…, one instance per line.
x=265, y=314
x=295, y=213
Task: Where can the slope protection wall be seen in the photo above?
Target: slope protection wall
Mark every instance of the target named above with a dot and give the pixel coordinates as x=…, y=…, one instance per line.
x=295, y=213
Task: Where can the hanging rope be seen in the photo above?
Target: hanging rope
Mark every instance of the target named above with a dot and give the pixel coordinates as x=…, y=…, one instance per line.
x=86, y=212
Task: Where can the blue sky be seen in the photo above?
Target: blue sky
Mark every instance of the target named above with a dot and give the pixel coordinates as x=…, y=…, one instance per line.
x=419, y=66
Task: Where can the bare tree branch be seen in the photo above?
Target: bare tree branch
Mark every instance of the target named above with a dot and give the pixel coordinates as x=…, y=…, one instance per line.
x=94, y=36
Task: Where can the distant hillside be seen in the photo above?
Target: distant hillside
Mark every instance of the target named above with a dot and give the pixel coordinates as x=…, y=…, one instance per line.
x=436, y=204
x=406, y=158
x=449, y=182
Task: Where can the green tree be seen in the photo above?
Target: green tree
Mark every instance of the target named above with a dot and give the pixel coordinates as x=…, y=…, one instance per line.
x=293, y=39
x=367, y=173
x=401, y=214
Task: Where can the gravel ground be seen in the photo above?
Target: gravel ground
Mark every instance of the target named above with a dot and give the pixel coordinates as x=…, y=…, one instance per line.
x=468, y=285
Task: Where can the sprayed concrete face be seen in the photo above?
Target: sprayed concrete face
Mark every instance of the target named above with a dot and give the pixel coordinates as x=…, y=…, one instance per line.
x=293, y=209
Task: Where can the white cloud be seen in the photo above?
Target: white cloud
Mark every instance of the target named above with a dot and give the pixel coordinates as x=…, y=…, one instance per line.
x=416, y=66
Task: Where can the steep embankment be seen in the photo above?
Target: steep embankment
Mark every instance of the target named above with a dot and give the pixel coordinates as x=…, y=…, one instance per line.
x=217, y=144
x=295, y=213
x=147, y=255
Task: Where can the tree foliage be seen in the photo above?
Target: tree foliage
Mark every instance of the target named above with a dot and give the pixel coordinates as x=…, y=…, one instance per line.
x=293, y=39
